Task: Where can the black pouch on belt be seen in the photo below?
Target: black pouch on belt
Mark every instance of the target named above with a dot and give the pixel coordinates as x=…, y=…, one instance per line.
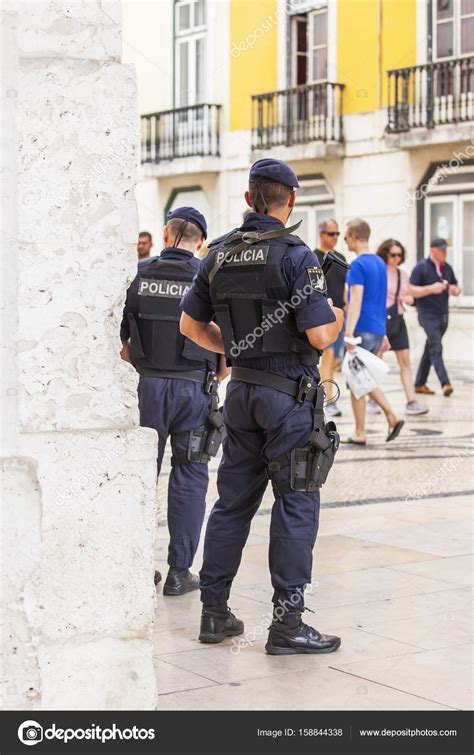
x=205, y=441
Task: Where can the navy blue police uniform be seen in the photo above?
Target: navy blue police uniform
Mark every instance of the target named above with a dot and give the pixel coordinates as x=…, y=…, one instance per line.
x=176, y=389
x=263, y=298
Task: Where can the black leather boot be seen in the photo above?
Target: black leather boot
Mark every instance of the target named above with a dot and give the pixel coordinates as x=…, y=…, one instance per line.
x=180, y=581
x=288, y=635
x=217, y=623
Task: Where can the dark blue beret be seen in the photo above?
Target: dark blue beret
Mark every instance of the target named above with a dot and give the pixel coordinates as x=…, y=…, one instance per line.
x=191, y=214
x=269, y=169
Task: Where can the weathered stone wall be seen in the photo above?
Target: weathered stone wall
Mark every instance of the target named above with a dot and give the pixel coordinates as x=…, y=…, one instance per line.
x=79, y=517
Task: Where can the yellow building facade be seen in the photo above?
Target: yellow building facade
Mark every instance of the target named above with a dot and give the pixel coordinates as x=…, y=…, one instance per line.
x=370, y=101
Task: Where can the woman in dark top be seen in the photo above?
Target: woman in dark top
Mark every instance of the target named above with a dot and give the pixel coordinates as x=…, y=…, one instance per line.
x=398, y=296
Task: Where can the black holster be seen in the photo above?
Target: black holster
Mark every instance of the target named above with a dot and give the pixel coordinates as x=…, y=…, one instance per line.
x=309, y=466
x=205, y=440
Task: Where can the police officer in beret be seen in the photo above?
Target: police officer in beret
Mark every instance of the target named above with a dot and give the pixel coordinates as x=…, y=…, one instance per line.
x=177, y=390
x=266, y=290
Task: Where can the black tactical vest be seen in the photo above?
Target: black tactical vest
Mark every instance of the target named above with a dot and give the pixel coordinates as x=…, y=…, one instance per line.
x=156, y=341
x=251, y=299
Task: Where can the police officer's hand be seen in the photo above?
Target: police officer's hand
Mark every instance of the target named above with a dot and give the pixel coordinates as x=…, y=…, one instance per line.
x=438, y=287
x=125, y=352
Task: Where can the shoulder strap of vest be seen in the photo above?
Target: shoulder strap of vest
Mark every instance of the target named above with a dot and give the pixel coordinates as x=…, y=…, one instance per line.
x=247, y=238
x=159, y=264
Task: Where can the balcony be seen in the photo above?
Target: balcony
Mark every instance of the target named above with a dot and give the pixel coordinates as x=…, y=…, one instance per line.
x=431, y=96
x=183, y=132
x=301, y=115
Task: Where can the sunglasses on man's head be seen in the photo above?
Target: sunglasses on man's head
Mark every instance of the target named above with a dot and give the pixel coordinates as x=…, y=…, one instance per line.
x=332, y=233
x=395, y=254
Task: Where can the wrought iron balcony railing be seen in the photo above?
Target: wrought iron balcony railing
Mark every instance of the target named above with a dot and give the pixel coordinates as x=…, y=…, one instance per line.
x=182, y=132
x=303, y=114
x=431, y=95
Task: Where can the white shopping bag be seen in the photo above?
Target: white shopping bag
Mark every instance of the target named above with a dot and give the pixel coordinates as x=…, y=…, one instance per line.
x=363, y=371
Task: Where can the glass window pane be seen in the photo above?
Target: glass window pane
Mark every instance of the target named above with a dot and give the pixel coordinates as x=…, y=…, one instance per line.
x=199, y=13
x=444, y=42
x=199, y=71
x=467, y=35
x=441, y=223
x=184, y=16
x=444, y=8
x=183, y=74
x=467, y=6
x=302, y=231
x=467, y=282
x=301, y=70
x=301, y=36
x=320, y=64
x=319, y=29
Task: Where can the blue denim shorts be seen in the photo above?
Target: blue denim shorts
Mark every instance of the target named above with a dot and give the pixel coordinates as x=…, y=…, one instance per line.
x=338, y=345
x=370, y=341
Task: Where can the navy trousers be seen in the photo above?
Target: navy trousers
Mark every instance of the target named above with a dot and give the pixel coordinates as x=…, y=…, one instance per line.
x=261, y=425
x=435, y=327
x=172, y=407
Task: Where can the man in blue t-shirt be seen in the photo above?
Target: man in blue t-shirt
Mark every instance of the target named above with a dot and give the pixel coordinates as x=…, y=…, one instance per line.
x=366, y=317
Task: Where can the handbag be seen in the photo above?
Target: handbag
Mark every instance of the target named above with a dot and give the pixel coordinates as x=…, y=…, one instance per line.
x=394, y=321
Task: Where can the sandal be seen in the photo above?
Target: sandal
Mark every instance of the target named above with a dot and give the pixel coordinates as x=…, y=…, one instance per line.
x=355, y=442
x=394, y=431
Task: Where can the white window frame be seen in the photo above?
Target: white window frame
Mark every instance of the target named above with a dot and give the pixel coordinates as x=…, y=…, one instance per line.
x=457, y=250
x=190, y=36
x=456, y=18
x=306, y=10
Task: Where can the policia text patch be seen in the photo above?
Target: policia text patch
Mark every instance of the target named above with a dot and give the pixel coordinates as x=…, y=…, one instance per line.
x=169, y=289
x=317, y=279
x=255, y=255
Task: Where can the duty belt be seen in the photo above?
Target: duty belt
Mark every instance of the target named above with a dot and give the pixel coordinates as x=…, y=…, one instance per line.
x=207, y=379
x=302, y=390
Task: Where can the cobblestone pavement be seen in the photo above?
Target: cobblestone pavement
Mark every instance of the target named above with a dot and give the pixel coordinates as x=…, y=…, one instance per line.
x=392, y=575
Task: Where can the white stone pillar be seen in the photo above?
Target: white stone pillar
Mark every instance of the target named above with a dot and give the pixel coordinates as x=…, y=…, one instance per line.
x=79, y=517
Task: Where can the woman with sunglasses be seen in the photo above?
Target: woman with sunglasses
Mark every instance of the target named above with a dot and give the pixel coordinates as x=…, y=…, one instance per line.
x=398, y=295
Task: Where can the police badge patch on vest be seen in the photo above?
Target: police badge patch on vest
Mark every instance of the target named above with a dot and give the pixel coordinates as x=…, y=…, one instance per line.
x=317, y=280
x=168, y=289
x=255, y=255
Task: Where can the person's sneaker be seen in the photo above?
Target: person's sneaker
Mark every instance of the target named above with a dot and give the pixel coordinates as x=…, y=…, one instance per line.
x=447, y=389
x=372, y=407
x=413, y=407
x=288, y=635
x=180, y=581
x=332, y=410
x=424, y=389
x=217, y=623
